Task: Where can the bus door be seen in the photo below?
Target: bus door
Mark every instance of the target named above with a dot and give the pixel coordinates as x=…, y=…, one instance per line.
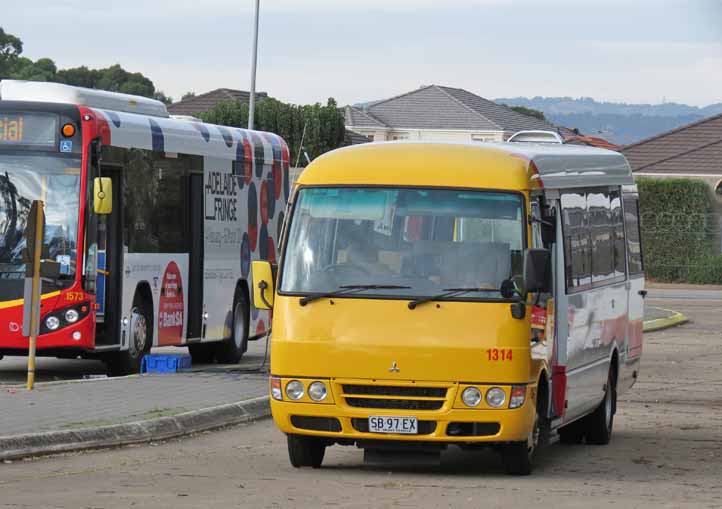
x=109, y=266
x=635, y=287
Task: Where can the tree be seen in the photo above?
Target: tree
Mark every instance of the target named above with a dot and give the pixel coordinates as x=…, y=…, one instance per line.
x=159, y=95
x=527, y=111
x=188, y=95
x=114, y=78
x=10, y=49
x=325, y=129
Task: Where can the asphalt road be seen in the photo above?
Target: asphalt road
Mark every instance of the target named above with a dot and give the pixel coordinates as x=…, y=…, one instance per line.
x=666, y=452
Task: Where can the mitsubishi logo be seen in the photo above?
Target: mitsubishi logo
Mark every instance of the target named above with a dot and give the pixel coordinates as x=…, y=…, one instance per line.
x=394, y=368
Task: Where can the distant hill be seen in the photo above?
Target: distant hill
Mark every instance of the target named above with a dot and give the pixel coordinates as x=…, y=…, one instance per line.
x=619, y=123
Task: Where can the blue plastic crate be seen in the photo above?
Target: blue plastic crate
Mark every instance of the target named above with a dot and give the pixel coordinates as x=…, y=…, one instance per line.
x=157, y=363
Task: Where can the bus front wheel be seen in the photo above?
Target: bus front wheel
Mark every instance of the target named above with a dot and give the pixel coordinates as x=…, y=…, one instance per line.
x=140, y=339
x=518, y=457
x=305, y=451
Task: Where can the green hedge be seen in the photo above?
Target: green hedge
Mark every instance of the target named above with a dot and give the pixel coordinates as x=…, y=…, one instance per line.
x=679, y=228
x=325, y=129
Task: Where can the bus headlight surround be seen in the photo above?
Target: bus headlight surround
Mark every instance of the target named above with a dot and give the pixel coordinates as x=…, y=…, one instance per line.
x=317, y=391
x=294, y=390
x=52, y=322
x=72, y=315
x=471, y=396
x=495, y=397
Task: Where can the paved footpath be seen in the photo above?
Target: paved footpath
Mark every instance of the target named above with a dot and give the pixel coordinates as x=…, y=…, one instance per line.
x=67, y=415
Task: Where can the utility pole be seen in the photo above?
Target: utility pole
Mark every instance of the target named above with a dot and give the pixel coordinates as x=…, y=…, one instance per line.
x=254, y=58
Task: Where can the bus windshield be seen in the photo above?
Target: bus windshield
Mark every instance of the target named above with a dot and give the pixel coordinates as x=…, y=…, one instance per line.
x=423, y=240
x=54, y=179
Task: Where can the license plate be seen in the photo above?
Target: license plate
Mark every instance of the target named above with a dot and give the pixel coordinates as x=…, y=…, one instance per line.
x=386, y=424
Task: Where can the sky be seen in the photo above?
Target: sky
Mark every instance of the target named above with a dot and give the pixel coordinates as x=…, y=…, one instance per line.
x=640, y=51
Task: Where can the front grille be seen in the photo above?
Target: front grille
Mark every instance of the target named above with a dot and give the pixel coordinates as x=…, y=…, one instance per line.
x=472, y=429
x=425, y=427
x=316, y=423
x=396, y=404
x=390, y=390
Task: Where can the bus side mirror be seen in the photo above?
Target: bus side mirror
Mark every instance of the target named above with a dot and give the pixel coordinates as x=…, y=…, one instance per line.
x=262, y=284
x=102, y=195
x=537, y=270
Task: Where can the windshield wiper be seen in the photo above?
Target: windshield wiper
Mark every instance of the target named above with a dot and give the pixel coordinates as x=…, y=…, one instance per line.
x=448, y=292
x=345, y=289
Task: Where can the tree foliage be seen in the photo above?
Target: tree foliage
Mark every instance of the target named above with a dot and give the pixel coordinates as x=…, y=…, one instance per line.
x=10, y=49
x=324, y=124
x=527, y=111
x=113, y=78
x=679, y=228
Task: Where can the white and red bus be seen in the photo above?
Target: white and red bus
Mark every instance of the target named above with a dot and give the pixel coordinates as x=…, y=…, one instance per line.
x=192, y=205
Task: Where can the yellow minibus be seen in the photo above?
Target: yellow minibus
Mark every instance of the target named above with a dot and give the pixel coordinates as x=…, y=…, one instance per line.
x=437, y=294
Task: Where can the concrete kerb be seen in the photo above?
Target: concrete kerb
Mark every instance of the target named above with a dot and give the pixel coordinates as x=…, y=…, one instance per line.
x=163, y=428
x=675, y=318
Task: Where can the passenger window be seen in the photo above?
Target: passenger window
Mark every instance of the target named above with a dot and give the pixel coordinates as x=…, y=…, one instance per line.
x=618, y=233
x=634, y=249
x=600, y=221
x=577, y=242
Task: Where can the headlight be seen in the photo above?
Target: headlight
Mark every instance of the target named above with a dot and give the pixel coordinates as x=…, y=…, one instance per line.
x=495, y=397
x=471, y=396
x=52, y=322
x=294, y=390
x=71, y=316
x=518, y=395
x=317, y=391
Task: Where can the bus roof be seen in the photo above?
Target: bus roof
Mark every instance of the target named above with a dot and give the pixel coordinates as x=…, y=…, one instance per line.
x=129, y=130
x=510, y=166
x=42, y=91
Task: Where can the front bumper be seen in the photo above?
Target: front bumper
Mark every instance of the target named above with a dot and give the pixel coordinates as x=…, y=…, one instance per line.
x=449, y=424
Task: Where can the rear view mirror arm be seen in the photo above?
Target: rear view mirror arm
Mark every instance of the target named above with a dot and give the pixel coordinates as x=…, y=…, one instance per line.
x=263, y=286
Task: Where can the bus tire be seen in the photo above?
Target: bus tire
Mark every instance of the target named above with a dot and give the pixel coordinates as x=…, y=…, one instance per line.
x=305, y=451
x=598, y=425
x=140, y=339
x=518, y=457
x=232, y=349
x=202, y=353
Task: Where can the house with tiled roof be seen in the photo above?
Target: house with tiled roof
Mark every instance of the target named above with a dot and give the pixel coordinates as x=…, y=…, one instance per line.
x=693, y=150
x=440, y=113
x=203, y=102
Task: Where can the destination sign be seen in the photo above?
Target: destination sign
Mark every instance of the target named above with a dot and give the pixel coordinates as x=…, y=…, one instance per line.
x=28, y=129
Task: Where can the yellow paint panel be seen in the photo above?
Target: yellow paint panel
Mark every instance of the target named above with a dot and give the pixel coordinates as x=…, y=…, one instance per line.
x=420, y=164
